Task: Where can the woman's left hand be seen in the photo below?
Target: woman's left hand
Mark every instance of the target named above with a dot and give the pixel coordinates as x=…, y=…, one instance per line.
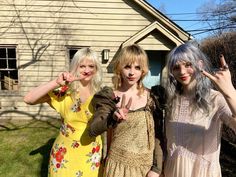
x=121, y=112
x=222, y=78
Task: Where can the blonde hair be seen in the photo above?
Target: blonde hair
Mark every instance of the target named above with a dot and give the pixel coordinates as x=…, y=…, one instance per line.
x=127, y=56
x=81, y=55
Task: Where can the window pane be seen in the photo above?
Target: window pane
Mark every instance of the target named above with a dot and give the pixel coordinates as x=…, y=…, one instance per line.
x=2, y=52
x=3, y=63
x=1, y=80
x=14, y=74
x=12, y=64
x=4, y=81
x=9, y=80
x=72, y=53
x=8, y=62
x=1, y=76
x=11, y=53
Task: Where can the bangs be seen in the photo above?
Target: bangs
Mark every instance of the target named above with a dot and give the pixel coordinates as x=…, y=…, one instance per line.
x=179, y=57
x=88, y=58
x=131, y=59
x=130, y=55
x=83, y=55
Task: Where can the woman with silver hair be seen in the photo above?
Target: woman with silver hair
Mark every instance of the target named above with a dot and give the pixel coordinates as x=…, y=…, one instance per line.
x=74, y=152
x=196, y=113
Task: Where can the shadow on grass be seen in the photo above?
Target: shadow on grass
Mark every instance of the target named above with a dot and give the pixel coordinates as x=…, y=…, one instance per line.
x=45, y=152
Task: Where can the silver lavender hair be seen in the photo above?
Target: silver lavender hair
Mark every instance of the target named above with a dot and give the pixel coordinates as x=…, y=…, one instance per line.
x=190, y=53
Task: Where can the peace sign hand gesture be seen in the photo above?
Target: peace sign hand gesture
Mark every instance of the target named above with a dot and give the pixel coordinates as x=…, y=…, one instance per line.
x=121, y=113
x=221, y=78
x=65, y=78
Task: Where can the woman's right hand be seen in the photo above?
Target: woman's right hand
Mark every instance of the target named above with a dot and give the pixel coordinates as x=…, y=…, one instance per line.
x=65, y=78
x=40, y=93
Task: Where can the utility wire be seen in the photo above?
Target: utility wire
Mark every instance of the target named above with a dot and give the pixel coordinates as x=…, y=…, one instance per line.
x=200, y=20
x=200, y=13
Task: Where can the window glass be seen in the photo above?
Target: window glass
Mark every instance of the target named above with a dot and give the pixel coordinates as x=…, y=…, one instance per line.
x=72, y=53
x=8, y=69
x=3, y=63
x=12, y=63
x=12, y=53
x=3, y=52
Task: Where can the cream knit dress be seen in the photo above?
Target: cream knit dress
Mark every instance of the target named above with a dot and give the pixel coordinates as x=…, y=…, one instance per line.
x=193, y=142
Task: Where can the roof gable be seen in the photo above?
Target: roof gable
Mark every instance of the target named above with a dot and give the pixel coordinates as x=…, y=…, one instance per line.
x=164, y=20
x=148, y=29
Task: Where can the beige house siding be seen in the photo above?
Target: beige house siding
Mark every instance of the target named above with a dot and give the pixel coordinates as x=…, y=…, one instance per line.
x=41, y=30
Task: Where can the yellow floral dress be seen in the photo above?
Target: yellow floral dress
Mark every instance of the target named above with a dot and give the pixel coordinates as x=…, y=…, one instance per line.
x=74, y=152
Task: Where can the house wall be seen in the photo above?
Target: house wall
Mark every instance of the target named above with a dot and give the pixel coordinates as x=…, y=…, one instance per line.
x=42, y=29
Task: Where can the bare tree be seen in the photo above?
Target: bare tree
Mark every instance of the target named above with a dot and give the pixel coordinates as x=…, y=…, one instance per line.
x=213, y=46
x=224, y=44
x=220, y=17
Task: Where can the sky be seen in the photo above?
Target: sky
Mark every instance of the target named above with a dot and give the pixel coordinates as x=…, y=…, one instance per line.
x=184, y=10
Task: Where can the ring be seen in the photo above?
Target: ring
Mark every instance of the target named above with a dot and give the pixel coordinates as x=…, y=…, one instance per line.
x=225, y=67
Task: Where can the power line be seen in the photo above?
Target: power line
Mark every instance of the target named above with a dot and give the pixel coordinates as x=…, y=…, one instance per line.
x=200, y=20
x=206, y=30
x=198, y=13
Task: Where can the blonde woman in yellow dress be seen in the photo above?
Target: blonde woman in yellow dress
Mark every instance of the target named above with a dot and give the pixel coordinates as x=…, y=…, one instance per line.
x=74, y=152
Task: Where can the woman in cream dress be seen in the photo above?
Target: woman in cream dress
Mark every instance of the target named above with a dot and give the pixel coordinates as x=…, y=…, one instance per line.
x=196, y=113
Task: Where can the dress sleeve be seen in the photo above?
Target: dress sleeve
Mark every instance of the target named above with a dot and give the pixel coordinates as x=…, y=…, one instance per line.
x=104, y=103
x=157, y=157
x=158, y=95
x=225, y=113
x=56, y=101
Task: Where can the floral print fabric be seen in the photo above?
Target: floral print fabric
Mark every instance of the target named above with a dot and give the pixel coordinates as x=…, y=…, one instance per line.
x=74, y=152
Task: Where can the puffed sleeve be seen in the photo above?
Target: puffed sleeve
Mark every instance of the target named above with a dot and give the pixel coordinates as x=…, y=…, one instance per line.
x=158, y=95
x=104, y=103
x=56, y=100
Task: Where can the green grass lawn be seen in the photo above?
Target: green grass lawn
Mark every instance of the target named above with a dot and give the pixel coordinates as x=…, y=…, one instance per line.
x=25, y=147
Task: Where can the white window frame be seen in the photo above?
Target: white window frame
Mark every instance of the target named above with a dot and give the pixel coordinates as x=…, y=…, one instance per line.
x=9, y=76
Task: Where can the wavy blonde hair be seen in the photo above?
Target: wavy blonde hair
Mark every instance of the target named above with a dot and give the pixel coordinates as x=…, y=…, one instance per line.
x=127, y=56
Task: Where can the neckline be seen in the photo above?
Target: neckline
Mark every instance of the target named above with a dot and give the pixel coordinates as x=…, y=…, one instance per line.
x=88, y=99
x=142, y=107
x=138, y=109
x=85, y=102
